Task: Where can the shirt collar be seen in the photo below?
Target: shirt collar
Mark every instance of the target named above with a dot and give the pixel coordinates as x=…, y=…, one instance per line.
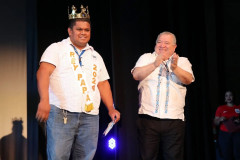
x=85, y=48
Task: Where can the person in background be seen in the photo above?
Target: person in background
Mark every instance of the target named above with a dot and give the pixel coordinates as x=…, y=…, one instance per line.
x=228, y=136
x=163, y=77
x=72, y=80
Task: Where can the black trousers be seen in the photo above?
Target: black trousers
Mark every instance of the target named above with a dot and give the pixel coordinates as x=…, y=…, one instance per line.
x=160, y=138
x=229, y=144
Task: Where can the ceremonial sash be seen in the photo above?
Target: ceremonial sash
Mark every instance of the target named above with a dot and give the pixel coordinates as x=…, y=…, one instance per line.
x=87, y=89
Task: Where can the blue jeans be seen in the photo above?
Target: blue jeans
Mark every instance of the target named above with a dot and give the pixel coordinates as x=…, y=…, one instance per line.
x=78, y=137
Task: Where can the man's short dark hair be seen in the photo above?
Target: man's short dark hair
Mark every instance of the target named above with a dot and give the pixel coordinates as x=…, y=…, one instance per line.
x=72, y=22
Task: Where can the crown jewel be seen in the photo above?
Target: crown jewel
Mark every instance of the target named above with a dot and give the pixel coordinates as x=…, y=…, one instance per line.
x=83, y=14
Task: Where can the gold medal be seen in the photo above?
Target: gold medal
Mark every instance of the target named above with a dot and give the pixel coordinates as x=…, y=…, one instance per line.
x=88, y=107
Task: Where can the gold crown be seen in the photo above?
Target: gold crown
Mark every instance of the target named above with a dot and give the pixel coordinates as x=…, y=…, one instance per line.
x=83, y=14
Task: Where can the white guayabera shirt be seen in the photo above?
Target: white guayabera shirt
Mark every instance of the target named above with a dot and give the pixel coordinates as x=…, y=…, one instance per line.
x=65, y=91
x=170, y=89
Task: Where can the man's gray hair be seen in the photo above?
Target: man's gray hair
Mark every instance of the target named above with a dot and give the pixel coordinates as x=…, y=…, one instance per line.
x=168, y=33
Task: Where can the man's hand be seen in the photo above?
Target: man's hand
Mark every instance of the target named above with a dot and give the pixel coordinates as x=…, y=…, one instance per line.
x=43, y=77
x=174, y=61
x=115, y=115
x=43, y=111
x=159, y=59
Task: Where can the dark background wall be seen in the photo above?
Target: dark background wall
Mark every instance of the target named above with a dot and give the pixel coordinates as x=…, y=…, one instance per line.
x=13, y=86
x=207, y=33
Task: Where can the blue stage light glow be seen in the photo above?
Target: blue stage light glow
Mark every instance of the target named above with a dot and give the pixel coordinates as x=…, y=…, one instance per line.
x=111, y=143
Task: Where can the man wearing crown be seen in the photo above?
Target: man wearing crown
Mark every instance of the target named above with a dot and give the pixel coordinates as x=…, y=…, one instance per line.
x=72, y=80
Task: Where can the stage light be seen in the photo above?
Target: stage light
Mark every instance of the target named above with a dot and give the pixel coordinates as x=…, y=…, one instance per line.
x=112, y=143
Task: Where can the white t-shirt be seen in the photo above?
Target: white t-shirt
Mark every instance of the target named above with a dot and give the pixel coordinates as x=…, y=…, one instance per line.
x=148, y=89
x=65, y=91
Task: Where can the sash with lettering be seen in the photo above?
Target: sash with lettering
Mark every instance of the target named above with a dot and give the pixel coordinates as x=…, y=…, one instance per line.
x=80, y=76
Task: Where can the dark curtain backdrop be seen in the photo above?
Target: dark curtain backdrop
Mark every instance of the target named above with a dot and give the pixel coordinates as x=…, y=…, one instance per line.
x=207, y=33
x=34, y=140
